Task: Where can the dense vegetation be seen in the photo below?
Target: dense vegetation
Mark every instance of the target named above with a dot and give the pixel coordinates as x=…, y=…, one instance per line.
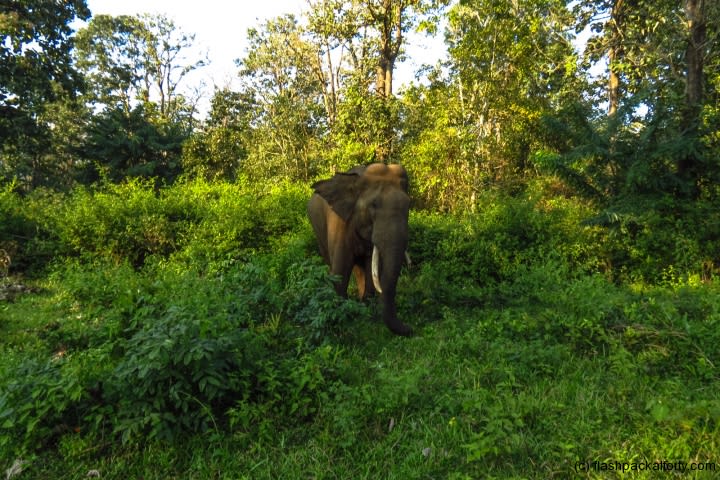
x=163, y=311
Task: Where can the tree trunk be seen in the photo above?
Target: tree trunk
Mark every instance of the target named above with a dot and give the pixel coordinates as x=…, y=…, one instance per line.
x=694, y=56
x=388, y=19
x=615, y=52
x=613, y=82
x=688, y=168
x=384, y=76
x=389, y=22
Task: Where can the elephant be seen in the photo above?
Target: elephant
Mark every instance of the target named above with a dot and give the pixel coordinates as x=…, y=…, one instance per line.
x=360, y=219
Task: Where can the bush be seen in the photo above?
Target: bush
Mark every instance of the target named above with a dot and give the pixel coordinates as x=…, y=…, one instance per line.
x=231, y=336
x=166, y=350
x=657, y=240
x=464, y=261
x=40, y=401
x=27, y=238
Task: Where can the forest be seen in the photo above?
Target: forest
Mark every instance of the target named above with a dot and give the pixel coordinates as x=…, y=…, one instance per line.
x=164, y=312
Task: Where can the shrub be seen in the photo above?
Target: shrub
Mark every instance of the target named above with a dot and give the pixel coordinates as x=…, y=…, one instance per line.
x=176, y=371
x=198, y=222
x=27, y=238
x=467, y=261
x=169, y=350
x=40, y=400
x=231, y=336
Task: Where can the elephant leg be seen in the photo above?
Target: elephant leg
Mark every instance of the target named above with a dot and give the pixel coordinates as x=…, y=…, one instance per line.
x=341, y=266
x=359, y=273
x=369, y=286
x=324, y=252
x=363, y=278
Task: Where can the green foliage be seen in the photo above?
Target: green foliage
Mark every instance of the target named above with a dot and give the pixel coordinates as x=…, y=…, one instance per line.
x=124, y=145
x=508, y=74
x=243, y=346
x=35, y=60
x=137, y=60
x=26, y=234
x=234, y=221
x=126, y=221
x=215, y=154
x=13, y=225
x=366, y=128
x=498, y=244
x=565, y=300
x=39, y=403
x=157, y=362
x=435, y=150
x=218, y=151
x=211, y=224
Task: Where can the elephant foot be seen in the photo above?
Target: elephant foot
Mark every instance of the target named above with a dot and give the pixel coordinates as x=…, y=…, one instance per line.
x=400, y=328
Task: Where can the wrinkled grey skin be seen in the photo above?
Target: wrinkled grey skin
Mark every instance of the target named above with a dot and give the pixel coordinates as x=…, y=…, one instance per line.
x=353, y=212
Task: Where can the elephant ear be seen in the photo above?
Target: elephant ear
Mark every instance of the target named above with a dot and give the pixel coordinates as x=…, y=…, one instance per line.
x=340, y=192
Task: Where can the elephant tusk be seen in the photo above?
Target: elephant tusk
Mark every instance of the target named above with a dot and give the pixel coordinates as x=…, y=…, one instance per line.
x=407, y=259
x=376, y=269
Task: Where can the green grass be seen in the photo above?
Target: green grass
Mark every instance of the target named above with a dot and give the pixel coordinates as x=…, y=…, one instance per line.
x=529, y=358
x=478, y=394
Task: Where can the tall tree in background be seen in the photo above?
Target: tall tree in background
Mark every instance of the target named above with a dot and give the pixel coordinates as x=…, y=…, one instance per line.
x=513, y=62
x=137, y=59
x=369, y=37
x=35, y=69
x=392, y=20
x=109, y=53
x=135, y=66
x=651, y=142
x=695, y=52
x=336, y=31
x=615, y=53
x=219, y=149
x=278, y=74
x=323, y=86
x=361, y=121
x=630, y=36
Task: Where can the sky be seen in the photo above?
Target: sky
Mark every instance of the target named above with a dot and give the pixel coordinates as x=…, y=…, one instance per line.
x=220, y=28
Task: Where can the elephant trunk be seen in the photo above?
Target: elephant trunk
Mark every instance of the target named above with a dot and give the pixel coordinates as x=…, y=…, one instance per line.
x=386, y=265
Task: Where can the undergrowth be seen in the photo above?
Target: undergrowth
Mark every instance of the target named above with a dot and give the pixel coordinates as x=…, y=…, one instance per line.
x=193, y=332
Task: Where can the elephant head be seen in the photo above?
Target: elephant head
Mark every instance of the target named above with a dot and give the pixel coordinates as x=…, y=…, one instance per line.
x=360, y=218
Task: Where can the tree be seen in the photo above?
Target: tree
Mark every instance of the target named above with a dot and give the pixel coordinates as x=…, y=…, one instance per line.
x=339, y=37
x=360, y=123
x=121, y=144
x=35, y=69
x=137, y=59
x=652, y=142
x=639, y=39
x=615, y=53
x=364, y=40
x=110, y=54
x=279, y=74
x=437, y=148
x=135, y=66
x=512, y=62
x=219, y=149
x=695, y=51
x=391, y=20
